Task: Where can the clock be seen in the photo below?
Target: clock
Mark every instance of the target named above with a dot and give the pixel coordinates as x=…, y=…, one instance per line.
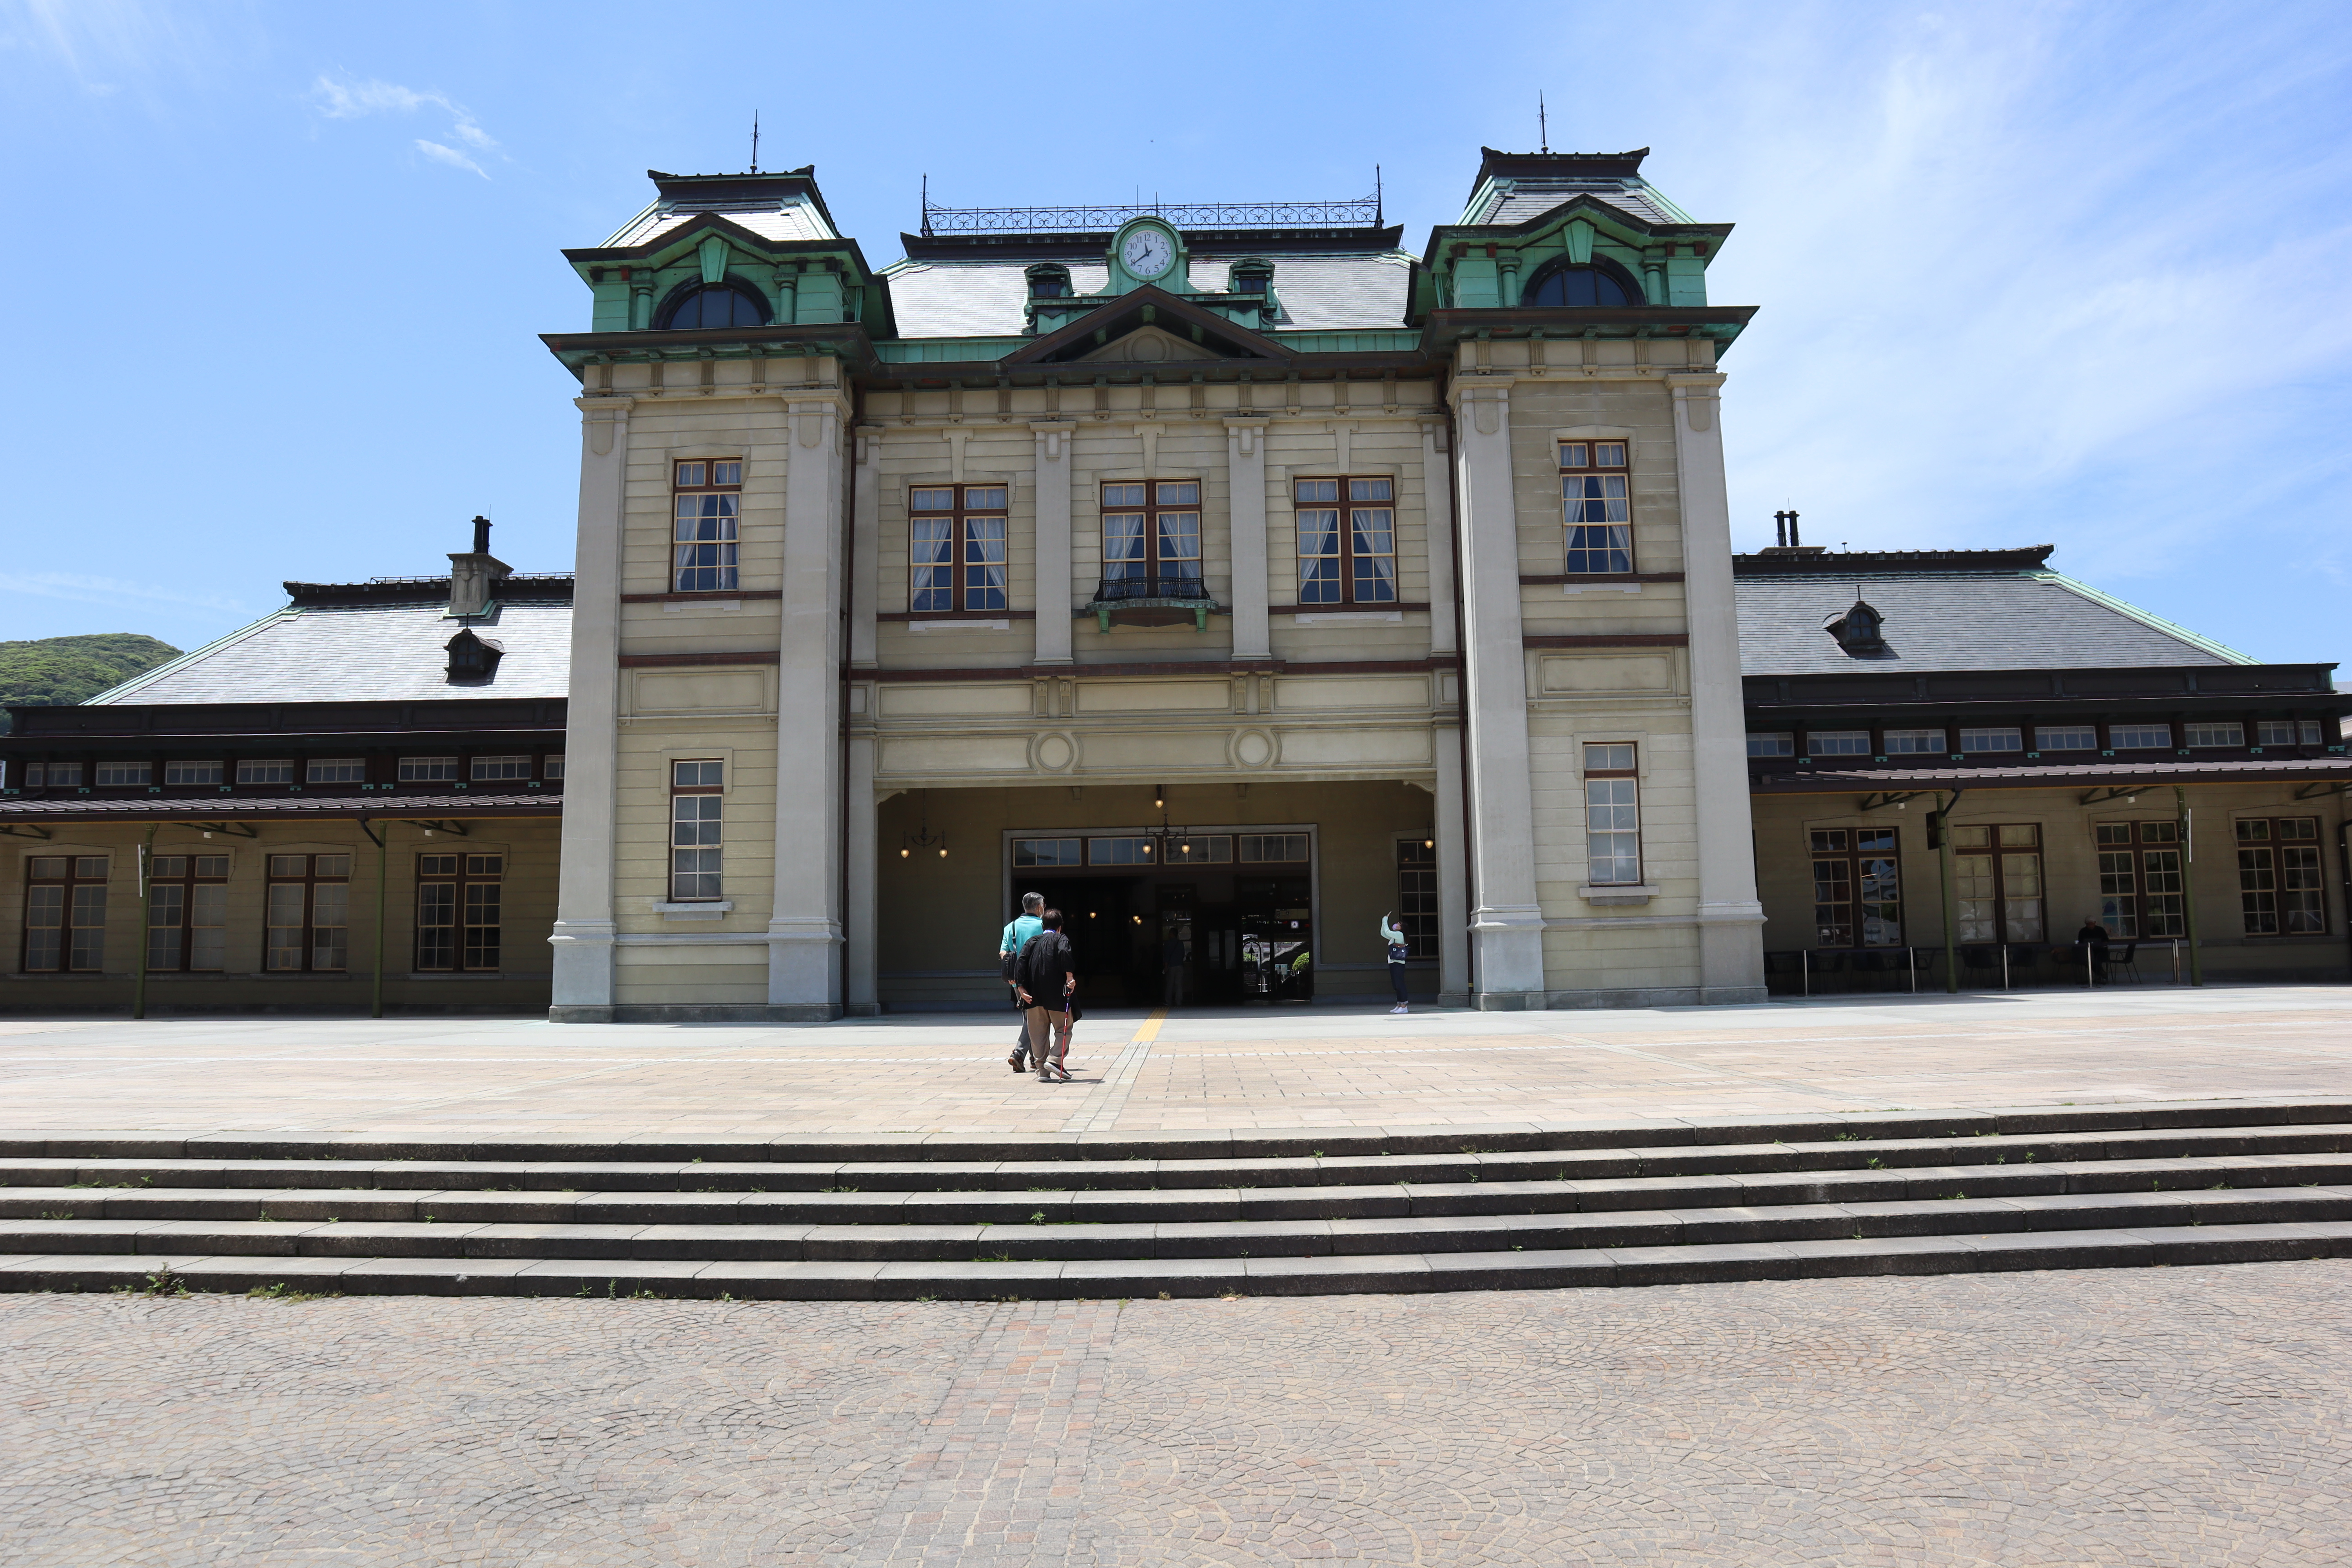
x=1147, y=253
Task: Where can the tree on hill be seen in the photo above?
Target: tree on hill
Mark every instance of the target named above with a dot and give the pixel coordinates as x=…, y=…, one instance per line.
x=64, y=670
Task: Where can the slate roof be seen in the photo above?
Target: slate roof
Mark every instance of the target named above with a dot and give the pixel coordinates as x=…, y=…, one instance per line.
x=1502, y=205
x=985, y=299
x=1954, y=621
x=768, y=219
x=362, y=654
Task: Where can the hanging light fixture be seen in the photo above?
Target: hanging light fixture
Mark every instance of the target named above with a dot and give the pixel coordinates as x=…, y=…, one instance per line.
x=924, y=838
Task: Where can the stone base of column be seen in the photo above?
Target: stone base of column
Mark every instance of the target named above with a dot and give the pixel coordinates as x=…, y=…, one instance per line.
x=1507, y=1001
x=562, y=1014
x=1656, y=997
x=700, y=1013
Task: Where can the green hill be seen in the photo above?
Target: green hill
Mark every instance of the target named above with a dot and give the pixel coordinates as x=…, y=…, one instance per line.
x=62, y=671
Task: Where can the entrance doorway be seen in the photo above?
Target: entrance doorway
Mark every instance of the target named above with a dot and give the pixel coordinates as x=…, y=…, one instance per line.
x=1228, y=933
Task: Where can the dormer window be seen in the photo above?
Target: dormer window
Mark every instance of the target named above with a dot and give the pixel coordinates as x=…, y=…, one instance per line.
x=1857, y=630
x=1049, y=280
x=1599, y=286
x=727, y=304
x=471, y=658
x=1252, y=276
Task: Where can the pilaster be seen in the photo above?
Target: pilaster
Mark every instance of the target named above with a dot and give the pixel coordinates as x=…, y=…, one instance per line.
x=1453, y=888
x=1245, y=492
x=860, y=954
x=1731, y=951
x=583, y=931
x=1053, y=438
x=865, y=546
x=1506, y=923
x=804, y=927
x=1437, y=504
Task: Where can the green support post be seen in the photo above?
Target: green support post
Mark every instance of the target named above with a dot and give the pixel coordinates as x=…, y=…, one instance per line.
x=1951, y=910
x=146, y=913
x=2188, y=885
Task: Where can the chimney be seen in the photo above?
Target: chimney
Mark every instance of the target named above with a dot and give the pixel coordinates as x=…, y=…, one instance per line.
x=1784, y=532
x=475, y=576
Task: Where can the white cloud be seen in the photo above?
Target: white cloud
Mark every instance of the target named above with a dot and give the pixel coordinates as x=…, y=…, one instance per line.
x=344, y=98
x=450, y=156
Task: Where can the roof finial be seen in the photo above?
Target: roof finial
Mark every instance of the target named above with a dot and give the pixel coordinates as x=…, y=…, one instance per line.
x=1543, y=122
x=755, y=141
x=1380, y=201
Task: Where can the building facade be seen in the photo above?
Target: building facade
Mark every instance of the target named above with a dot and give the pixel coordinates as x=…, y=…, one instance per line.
x=1962, y=758
x=1233, y=575
x=348, y=805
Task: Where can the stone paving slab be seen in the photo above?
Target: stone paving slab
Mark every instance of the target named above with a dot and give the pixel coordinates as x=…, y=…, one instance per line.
x=2156, y=1418
x=1345, y=1079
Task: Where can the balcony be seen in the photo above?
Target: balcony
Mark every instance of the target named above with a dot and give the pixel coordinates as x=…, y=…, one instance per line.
x=1152, y=601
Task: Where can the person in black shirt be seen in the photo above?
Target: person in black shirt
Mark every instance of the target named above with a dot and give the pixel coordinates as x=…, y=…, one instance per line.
x=1045, y=978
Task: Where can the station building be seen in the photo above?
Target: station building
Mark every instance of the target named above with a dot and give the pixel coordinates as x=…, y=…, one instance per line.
x=1235, y=575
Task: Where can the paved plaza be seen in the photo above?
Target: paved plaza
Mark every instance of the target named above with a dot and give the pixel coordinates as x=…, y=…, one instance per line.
x=1333, y=1066
x=2146, y=1415
x=2157, y=1416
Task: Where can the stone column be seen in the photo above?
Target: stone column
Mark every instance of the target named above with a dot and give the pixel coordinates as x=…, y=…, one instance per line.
x=1437, y=507
x=1731, y=947
x=1053, y=589
x=1453, y=890
x=1245, y=492
x=1506, y=926
x=805, y=923
x=583, y=931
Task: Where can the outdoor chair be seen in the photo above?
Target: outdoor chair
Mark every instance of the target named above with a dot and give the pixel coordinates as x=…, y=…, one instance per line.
x=2124, y=960
x=1983, y=965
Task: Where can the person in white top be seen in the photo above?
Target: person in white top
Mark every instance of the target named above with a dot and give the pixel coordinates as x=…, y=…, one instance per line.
x=1399, y=951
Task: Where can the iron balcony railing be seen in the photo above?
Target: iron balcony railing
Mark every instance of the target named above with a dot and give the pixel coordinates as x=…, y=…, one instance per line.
x=1360, y=212
x=1189, y=589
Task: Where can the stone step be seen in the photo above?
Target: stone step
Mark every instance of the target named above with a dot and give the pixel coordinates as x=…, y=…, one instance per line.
x=1174, y=1239
x=1025, y=1175
x=1252, y=1146
x=1103, y=1279
x=1198, y=1205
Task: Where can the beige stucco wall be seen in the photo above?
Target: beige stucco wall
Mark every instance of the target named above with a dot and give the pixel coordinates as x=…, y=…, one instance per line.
x=528, y=909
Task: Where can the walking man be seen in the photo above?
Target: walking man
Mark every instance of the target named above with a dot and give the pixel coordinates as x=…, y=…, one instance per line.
x=1017, y=932
x=1172, y=969
x=1043, y=978
x=1399, y=951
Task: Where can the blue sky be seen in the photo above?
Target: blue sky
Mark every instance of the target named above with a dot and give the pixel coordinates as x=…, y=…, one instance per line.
x=2028, y=274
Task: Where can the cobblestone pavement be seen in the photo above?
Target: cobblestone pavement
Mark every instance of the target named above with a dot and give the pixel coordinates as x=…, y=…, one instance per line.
x=2183, y=1416
x=1334, y=1066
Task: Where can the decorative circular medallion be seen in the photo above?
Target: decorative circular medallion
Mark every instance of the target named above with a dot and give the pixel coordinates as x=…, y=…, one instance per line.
x=1056, y=752
x=1253, y=748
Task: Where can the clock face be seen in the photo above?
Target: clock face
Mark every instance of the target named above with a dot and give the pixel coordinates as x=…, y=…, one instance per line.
x=1147, y=253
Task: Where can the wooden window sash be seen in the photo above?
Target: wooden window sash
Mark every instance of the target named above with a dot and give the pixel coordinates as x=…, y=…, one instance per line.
x=959, y=562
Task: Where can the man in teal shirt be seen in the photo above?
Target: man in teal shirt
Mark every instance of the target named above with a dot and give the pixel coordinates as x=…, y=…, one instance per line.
x=1017, y=932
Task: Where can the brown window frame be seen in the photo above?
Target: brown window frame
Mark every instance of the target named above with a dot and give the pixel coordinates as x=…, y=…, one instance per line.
x=2138, y=862
x=465, y=877
x=728, y=565
x=2275, y=846
x=309, y=881
x=1347, y=504
x=679, y=792
x=959, y=562
x=73, y=882
x=190, y=877
x=1159, y=583
x=1595, y=468
x=1631, y=774
x=1998, y=851
x=1849, y=853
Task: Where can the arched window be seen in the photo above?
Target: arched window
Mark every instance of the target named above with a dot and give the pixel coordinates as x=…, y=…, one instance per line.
x=1573, y=287
x=729, y=304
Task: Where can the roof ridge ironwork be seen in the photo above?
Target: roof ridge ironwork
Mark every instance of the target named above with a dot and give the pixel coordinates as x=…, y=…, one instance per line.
x=1360, y=212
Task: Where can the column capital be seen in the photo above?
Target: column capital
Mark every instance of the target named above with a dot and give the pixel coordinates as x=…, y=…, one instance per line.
x=1688, y=381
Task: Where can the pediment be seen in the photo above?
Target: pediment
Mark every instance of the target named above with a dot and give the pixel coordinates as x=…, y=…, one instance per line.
x=1149, y=326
